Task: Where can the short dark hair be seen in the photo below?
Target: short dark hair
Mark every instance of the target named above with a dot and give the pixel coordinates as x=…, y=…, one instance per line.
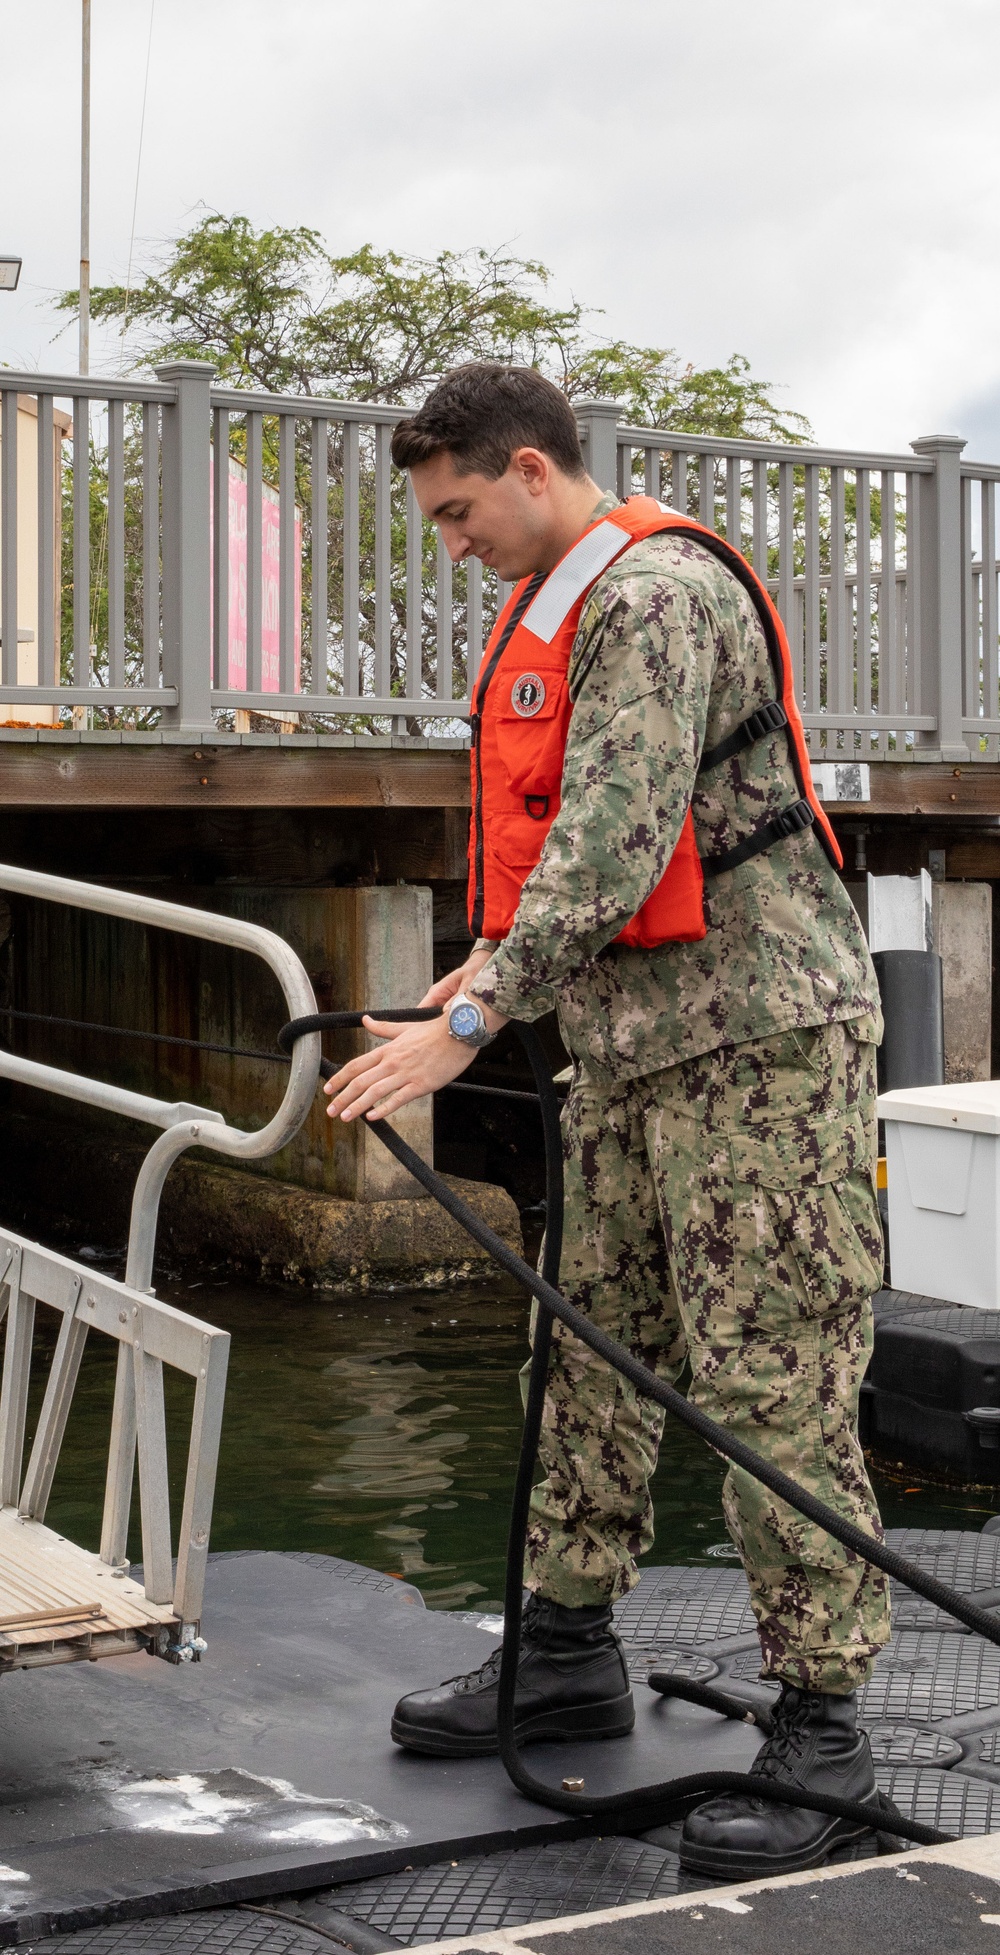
x=480, y=413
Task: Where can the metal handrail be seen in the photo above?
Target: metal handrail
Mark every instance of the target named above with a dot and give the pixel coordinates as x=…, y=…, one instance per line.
x=187, y=1126
x=138, y=1406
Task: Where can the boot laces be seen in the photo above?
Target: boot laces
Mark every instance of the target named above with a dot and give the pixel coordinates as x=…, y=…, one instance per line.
x=489, y=1672
x=486, y=1674
x=784, y=1748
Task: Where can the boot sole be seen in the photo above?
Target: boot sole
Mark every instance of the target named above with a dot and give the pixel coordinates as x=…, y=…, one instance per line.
x=735, y=1866
x=612, y=1718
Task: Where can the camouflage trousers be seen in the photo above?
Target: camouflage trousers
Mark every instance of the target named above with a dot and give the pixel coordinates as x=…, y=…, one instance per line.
x=723, y=1211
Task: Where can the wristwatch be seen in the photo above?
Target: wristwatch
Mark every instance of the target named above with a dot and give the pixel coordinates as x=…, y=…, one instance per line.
x=467, y=1021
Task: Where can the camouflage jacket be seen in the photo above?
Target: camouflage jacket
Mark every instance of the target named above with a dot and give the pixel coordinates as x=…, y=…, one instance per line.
x=669, y=657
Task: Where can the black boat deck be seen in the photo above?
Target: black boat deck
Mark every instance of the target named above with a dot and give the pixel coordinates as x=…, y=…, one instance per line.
x=264, y=1778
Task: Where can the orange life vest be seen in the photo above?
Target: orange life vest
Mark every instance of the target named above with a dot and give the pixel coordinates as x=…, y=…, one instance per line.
x=520, y=719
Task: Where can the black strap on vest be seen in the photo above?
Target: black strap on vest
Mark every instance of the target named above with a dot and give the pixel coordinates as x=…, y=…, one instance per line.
x=769, y=718
x=791, y=821
x=758, y=725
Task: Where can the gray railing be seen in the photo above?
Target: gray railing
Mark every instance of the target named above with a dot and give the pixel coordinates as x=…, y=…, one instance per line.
x=198, y=552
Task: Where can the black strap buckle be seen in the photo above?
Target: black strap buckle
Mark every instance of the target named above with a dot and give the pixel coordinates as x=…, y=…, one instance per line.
x=769, y=718
x=758, y=725
x=791, y=821
x=537, y=806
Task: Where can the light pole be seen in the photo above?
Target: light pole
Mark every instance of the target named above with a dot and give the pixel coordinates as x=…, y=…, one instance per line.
x=85, y=195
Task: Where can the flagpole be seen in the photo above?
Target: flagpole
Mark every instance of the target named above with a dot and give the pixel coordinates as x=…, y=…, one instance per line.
x=85, y=196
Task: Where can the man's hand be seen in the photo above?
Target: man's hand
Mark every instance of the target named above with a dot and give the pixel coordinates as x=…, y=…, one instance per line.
x=416, y=1060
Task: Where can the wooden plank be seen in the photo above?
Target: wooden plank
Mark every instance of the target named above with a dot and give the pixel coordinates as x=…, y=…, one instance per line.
x=49, y=1618
x=54, y=777
x=908, y=789
x=53, y=1592
x=974, y=858
x=50, y=775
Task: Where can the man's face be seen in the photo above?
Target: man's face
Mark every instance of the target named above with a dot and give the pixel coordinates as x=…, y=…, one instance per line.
x=505, y=523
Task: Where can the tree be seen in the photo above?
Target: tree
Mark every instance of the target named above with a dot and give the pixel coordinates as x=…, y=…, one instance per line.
x=274, y=310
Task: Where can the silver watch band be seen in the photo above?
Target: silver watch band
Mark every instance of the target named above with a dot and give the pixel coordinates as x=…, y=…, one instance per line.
x=477, y=1033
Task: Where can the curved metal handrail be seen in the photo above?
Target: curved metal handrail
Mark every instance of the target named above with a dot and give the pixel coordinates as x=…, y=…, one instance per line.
x=186, y=1126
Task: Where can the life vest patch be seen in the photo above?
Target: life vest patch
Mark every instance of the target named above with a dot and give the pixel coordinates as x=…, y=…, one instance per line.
x=527, y=695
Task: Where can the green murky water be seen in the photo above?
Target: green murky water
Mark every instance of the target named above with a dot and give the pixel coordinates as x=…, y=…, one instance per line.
x=385, y=1429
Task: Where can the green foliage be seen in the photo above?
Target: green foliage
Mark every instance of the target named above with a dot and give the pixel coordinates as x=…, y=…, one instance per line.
x=98, y=612
x=274, y=309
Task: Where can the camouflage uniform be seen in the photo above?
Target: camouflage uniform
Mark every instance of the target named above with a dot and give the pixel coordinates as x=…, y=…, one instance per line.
x=720, y=1131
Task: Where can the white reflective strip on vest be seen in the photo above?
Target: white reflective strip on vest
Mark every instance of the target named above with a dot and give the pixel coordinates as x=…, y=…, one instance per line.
x=570, y=579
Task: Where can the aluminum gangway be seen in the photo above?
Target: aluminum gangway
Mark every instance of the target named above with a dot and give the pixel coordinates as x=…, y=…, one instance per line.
x=60, y=1603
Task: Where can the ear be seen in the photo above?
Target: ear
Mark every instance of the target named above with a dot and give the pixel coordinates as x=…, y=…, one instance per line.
x=533, y=468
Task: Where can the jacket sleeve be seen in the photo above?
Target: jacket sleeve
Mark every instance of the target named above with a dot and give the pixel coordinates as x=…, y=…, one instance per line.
x=640, y=675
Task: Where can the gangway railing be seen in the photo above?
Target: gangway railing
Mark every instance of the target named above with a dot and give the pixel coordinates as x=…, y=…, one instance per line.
x=58, y=1602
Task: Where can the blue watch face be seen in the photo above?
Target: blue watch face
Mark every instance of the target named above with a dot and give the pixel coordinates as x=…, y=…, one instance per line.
x=464, y=1021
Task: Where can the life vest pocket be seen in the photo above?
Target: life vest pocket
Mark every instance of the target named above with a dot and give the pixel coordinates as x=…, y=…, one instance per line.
x=516, y=838
x=530, y=717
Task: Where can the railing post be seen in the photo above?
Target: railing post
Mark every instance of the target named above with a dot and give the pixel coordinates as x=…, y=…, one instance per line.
x=599, y=433
x=187, y=545
x=940, y=594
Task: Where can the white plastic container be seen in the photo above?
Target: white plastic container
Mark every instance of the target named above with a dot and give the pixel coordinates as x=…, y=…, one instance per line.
x=943, y=1172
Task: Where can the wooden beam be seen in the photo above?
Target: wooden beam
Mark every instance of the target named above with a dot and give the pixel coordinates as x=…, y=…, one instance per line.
x=172, y=775
x=175, y=776
x=911, y=788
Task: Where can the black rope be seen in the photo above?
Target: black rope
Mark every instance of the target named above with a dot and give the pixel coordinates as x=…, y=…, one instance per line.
x=152, y=1038
x=236, y=1051
x=672, y=1797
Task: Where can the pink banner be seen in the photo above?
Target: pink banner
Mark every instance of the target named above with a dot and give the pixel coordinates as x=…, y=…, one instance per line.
x=270, y=658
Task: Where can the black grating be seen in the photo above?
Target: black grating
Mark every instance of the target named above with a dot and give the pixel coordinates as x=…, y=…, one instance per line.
x=342, y=1571
x=947, y=1800
x=223, y=1931
x=923, y=1675
x=907, y=1744
x=507, y=1889
x=895, y=1303
x=958, y=1320
x=910, y=1611
x=688, y=1605
x=673, y=1661
x=964, y=1561
x=746, y=1666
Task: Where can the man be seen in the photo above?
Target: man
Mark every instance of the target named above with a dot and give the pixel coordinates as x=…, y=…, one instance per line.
x=640, y=861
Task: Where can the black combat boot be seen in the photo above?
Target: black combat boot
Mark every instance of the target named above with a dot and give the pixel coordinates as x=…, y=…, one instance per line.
x=572, y=1682
x=817, y=1747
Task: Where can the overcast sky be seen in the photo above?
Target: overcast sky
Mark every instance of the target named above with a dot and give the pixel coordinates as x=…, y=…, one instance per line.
x=815, y=186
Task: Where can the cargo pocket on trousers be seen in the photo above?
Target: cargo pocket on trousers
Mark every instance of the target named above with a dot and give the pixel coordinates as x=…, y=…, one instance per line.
x=808, y=1202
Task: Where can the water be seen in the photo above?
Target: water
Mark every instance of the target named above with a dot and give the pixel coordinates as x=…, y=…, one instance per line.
x=385, y=1429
